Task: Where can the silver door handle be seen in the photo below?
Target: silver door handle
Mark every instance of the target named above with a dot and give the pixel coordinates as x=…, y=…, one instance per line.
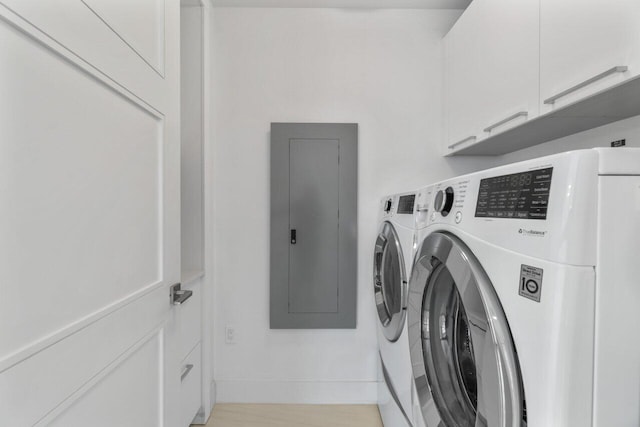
x=507, y=120
x=462, y=141
x=185, y=372
x=616, y=69
x=178, y=295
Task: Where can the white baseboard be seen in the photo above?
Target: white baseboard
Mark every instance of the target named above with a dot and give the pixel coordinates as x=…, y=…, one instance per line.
x=203, y=415
x=311, y=392
x=213, y=395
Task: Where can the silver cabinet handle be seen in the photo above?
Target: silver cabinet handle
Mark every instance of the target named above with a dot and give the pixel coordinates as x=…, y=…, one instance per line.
x=185, y=372
x=178, y=295
x=616, y=69
x=507, y=120
x=462, y=141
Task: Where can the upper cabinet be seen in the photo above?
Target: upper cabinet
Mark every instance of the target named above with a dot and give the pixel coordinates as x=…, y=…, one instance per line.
x=522, y=73
x=491, y=76
x=586, y=46
x=461, y=97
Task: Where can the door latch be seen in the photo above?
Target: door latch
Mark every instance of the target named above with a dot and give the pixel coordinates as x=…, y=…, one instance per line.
x=178, y=295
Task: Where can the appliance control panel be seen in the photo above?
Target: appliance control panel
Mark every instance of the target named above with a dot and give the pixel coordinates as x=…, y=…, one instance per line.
x=400, y=207
x=449, y=200
x=523, y=195
x=545, y=208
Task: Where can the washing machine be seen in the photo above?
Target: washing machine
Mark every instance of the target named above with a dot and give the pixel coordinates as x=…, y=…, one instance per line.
x=524, y=299
x=393, y=256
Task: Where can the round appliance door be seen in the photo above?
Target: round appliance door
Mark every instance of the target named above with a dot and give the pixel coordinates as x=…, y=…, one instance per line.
x=464, y=361
x=390, y=282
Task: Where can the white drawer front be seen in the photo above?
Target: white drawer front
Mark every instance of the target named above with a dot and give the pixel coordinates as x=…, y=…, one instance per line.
x=191, y=390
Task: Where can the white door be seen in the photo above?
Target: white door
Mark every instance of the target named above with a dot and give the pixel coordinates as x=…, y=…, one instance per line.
x=89, y=211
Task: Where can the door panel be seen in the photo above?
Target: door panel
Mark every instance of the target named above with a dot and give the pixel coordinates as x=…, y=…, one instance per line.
x=89, y=216
x=313, y=212
x=125, y=397
x=55, y=373
x=314, y=170
x=140, y=25
x=81, y=219
x=101, y=34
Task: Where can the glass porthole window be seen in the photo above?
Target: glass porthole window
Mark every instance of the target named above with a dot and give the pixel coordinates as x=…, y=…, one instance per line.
x=464, y=361
x=389, y=282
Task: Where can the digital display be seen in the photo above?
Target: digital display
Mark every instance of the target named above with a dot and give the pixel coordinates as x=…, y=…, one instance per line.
x=405, y=204
x=522, y=195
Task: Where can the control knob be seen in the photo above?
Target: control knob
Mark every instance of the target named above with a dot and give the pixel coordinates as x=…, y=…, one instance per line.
x=387, y=206
x=444, y=201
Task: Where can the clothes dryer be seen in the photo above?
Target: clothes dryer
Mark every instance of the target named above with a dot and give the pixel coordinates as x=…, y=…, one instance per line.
x=393, y=255
x=524, y=295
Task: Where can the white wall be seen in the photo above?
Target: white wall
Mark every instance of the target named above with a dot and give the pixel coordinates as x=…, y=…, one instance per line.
x=378, y=68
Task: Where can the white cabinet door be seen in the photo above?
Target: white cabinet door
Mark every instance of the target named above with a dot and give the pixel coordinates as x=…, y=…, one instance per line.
x=492, y=56
x=462, y=100
x=508, y=75
x=89, y=212
x=584, y=39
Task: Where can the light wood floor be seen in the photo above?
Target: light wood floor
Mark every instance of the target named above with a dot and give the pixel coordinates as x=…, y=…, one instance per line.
x=263, y=415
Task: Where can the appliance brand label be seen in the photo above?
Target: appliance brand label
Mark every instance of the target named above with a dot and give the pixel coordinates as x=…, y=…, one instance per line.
x=532, y=233
x=530, y=285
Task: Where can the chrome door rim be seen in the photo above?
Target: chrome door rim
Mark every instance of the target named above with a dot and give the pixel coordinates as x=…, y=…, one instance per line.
x=392, y=323
x=442, y=250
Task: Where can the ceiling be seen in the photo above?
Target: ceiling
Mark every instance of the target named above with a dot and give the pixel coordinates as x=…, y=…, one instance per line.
x=359, y=4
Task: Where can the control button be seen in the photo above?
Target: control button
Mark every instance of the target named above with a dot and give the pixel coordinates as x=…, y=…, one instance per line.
x=458, y=217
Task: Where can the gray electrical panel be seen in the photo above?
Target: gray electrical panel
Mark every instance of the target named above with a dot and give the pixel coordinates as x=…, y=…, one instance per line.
x=314, y=169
